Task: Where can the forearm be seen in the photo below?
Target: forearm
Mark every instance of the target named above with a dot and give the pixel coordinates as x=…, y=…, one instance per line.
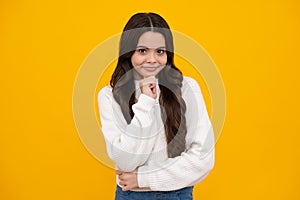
x=128, y=151
x=128, y=145
x=182, y=171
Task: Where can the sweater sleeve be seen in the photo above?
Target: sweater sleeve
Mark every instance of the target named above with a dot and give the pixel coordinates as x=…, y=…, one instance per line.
x=193, y=165
x=128, y=145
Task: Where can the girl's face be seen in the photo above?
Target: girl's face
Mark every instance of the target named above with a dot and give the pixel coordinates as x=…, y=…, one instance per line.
x=150, y=55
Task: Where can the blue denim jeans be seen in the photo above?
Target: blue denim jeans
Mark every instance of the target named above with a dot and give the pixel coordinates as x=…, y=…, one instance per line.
x=182, y=194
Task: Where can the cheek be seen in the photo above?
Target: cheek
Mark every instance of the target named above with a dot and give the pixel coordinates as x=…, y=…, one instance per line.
x=136, y=60
x=163, y=59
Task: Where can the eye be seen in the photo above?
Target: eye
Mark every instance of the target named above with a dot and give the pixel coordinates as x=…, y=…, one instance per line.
x=142, y=51
x=160, y=51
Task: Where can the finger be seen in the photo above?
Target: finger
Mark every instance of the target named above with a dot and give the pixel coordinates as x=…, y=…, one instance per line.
x=125, y=188
x=148, y=80
x=151, y=78
x=154, y=90
x=152, y=85
x=119, y=172
x=146, y=83
x=122, y=183
x=122, y=177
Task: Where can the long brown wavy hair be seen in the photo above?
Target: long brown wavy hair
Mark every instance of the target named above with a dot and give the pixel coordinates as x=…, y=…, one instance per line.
x=169, y=79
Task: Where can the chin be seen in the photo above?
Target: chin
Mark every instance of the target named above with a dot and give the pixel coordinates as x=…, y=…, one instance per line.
x=154, y=73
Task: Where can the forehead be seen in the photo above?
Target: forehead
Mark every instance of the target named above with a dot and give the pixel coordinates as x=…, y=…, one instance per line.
x=151, y=40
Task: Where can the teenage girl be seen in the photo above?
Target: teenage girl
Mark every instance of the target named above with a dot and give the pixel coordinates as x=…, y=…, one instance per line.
x=154, y=119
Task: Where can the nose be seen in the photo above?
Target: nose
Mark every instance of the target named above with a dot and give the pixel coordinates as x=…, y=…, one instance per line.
x=151, y=58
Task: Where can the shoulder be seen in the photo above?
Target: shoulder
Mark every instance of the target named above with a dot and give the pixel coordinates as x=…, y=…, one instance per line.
x=189, y=83
x=105, y=93
x=191, y=89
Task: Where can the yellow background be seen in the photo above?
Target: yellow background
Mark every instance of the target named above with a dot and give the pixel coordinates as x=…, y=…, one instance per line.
x=255, y=45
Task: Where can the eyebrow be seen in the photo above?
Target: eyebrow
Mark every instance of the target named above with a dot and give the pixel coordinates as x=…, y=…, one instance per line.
x=141, y=46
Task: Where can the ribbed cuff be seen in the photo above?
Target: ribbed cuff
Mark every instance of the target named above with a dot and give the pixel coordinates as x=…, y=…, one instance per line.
x=143, y=177
x=143, y=112
x=145, y=103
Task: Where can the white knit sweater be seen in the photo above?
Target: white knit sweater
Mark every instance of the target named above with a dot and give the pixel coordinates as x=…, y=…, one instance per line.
x=142, y=144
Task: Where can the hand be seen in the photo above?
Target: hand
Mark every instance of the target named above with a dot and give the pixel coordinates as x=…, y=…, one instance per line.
x=148, y=86
x=128, y=180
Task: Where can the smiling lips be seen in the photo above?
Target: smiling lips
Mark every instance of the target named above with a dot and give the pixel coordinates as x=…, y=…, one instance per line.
x=150, y=68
